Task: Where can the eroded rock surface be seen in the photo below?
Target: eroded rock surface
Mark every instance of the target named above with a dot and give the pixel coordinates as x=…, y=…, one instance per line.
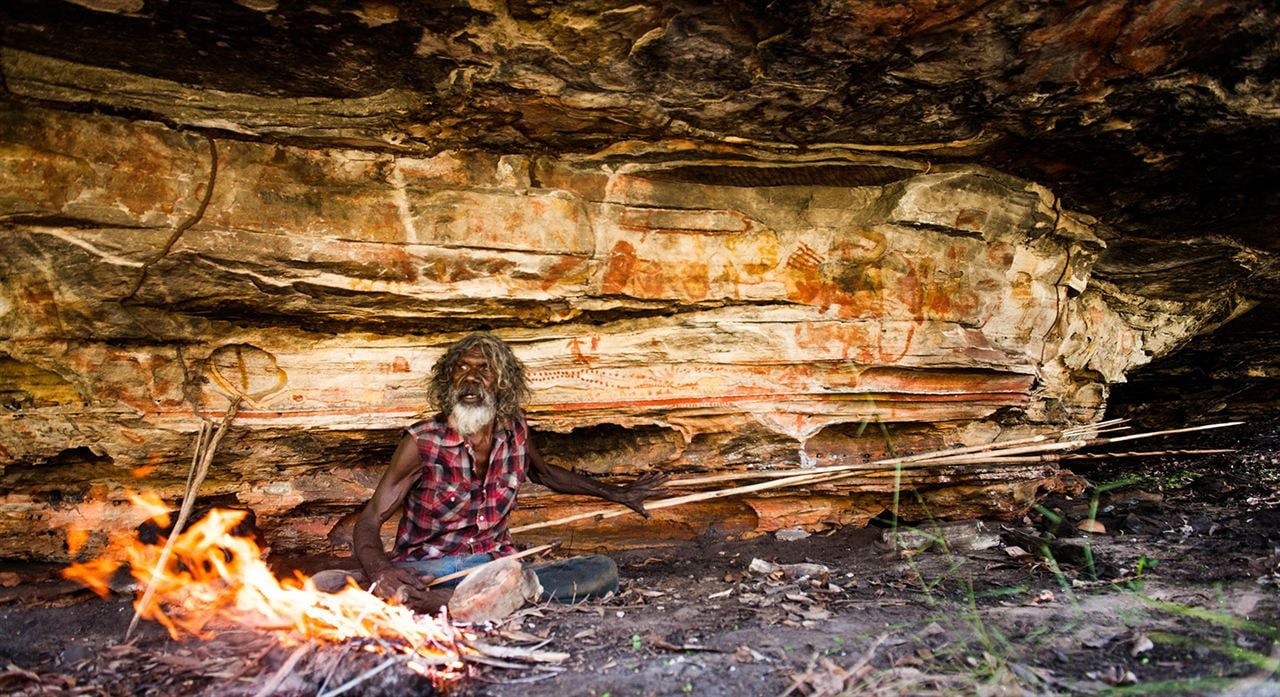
x=673, y=297
x=721, y=236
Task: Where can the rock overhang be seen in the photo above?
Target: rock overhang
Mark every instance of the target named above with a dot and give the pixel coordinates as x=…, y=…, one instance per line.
x=364, y=153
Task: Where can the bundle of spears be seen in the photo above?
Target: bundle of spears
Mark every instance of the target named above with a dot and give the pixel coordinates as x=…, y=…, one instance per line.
x=1060, y=446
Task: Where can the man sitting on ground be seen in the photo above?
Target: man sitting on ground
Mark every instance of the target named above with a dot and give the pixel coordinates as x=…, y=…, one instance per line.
x=457, y=475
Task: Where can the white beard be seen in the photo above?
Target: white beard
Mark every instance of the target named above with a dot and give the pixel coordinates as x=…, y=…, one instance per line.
x=472, y=418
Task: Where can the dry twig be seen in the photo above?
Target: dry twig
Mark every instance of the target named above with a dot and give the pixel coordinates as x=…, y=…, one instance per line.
x=284, y=670
x=200, y=462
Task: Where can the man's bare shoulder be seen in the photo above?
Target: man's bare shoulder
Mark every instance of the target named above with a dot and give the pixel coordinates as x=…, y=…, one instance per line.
x=434, y=429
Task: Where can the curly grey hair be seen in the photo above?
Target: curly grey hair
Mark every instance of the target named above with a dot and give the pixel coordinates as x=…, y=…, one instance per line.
x=510, y=389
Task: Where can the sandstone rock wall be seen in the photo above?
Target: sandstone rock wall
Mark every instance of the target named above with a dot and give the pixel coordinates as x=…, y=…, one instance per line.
x=679, y=307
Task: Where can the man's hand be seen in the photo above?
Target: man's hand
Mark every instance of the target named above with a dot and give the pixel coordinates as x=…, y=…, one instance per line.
x=405, y=585
x=646, y=486
x=557, y=478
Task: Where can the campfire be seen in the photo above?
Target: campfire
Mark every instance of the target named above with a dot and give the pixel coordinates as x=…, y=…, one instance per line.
x=208, y=582
x=205, y=581
x=214, y=580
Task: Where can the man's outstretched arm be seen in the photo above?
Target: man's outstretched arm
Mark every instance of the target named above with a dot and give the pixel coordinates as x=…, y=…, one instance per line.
x=367, y=538
x=559, y=479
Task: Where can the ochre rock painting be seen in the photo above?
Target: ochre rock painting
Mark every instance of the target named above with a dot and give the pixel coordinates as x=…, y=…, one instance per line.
x=676, y=311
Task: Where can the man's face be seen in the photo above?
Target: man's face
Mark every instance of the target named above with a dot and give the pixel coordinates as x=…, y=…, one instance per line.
x=473, y=379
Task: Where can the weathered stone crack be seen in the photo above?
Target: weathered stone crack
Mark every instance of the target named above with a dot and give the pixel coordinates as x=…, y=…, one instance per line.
x=1059, y=290
x=183, y=227
x=58, y=222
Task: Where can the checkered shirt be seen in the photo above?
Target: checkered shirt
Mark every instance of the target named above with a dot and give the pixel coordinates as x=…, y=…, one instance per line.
x=447, y=512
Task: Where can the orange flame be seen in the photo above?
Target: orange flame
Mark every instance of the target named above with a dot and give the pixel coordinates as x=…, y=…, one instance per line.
x=152, y=506
x=76, y=537
x=213, y=578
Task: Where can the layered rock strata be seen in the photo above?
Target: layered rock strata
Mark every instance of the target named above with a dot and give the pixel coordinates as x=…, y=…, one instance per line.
x=680, y=307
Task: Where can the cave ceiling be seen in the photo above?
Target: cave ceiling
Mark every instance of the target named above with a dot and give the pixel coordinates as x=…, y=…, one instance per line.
x=1159, y=118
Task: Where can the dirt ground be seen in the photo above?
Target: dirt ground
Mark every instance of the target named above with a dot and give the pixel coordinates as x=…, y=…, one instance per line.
x=1177, y=592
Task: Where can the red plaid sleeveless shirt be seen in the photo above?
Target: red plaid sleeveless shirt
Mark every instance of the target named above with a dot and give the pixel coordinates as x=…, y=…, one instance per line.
x=447, y=512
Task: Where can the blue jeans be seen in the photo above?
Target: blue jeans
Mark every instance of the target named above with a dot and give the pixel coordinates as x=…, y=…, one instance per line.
x=443, y=566
x=563, y=581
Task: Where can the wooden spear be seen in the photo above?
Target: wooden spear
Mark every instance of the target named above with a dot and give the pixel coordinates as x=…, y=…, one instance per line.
x=1101, y=427
x=789, y=478
x=1062, y=457
x=796, y=480
x=1034, y=444
x=855, y=469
